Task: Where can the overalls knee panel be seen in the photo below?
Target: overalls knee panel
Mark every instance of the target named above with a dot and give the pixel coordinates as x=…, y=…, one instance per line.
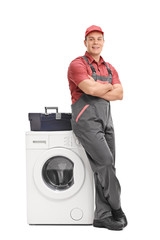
x=92, y=124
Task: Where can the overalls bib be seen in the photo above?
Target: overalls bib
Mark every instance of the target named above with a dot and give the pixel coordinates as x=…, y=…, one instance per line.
x=93, y=126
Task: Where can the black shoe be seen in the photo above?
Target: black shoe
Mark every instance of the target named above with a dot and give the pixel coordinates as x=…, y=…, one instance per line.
x=108, y=223
x=120, y=216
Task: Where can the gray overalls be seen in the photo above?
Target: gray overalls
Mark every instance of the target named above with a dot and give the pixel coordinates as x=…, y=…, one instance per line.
x=93, y=126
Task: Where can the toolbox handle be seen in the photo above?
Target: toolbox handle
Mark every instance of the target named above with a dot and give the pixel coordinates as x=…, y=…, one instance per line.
x=46, y=108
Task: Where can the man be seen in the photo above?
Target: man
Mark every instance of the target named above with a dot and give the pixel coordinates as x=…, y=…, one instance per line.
x=93, y=84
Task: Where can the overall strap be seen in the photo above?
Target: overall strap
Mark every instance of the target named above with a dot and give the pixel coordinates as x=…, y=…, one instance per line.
x=109, y=70
x=93, y=69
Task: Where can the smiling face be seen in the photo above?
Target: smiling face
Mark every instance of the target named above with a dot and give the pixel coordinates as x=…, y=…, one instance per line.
x=94, y=44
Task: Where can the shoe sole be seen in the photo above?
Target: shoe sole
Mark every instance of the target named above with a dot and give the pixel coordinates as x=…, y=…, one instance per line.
x=100, y=225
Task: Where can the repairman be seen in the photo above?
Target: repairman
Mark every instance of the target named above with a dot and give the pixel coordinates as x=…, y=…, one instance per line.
x=93, y=84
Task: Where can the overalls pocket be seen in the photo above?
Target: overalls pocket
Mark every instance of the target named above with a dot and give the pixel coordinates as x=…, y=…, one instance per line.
x=81, y=112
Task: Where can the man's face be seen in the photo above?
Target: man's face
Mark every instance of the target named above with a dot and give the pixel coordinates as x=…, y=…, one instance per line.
x=94, y=43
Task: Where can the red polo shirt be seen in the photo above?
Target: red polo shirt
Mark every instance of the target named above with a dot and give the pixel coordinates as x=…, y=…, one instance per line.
x=79, y=70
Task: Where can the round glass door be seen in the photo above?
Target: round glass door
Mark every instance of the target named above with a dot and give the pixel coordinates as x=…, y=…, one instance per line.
x=57, y=173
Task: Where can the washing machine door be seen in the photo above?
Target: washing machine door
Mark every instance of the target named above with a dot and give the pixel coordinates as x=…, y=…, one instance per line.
x=59, y=173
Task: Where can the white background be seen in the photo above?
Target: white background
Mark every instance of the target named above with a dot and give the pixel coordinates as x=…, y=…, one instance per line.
x=38, y=40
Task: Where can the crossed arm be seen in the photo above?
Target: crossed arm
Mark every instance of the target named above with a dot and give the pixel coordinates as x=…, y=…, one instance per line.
x=106, y=91
x=115, y=94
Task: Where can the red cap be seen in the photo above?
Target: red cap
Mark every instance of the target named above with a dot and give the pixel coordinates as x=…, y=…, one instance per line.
x=93, y=28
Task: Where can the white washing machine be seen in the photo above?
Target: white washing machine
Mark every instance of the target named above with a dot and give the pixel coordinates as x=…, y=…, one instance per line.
x=60, y=185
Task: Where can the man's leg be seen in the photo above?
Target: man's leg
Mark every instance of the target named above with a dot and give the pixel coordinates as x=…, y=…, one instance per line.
x=110, y=138
x=118, y=214
x=102, y=208
x=102, y=163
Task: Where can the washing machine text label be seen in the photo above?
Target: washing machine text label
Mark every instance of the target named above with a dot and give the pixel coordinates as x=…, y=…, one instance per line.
x=39, y=141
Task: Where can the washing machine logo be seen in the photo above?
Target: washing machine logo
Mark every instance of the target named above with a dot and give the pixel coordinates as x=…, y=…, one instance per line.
x=58, y=174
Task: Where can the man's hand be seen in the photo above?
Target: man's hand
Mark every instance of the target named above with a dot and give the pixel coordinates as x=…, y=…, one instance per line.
x=110, y=86
x=93, y=88
x=115, y=94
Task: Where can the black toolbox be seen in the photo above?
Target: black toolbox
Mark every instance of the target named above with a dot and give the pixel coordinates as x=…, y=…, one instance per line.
x=50, y=122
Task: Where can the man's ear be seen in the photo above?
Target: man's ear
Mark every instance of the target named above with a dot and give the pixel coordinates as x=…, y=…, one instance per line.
x=85, y=43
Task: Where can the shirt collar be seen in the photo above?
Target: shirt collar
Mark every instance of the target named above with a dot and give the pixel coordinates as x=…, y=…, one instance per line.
x=91, y=59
